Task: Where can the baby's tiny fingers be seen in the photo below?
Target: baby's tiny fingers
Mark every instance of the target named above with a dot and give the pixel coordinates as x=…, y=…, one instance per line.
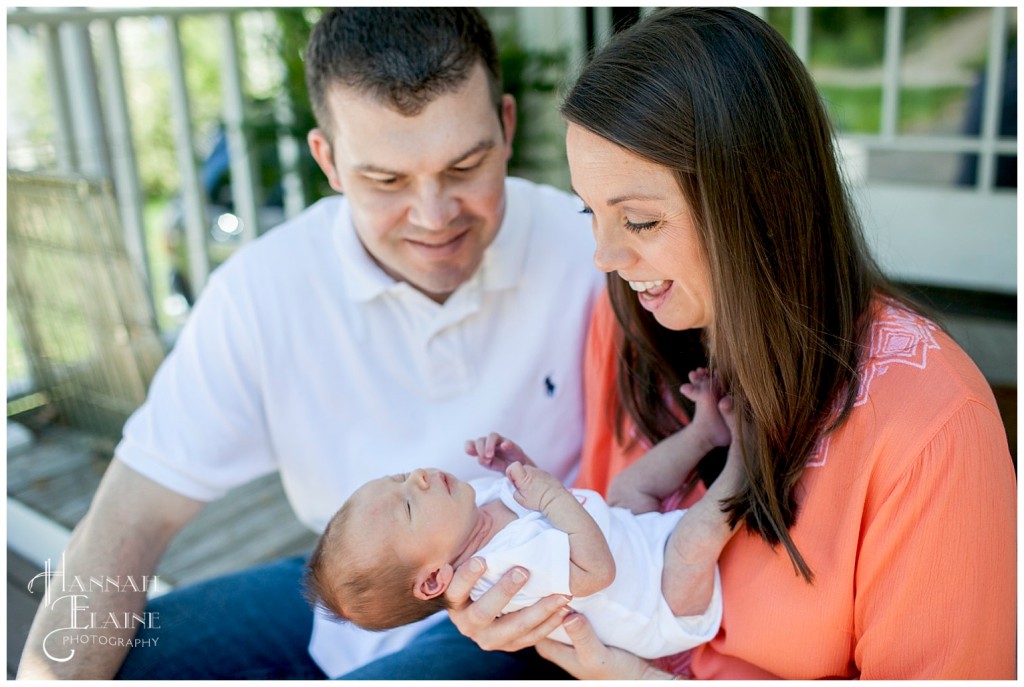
x=492, y=442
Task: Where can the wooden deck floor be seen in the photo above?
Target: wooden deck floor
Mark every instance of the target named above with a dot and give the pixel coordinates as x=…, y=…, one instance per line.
x=57, y=478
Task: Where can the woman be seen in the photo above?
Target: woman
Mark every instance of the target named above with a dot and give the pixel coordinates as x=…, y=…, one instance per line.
x=879, y=503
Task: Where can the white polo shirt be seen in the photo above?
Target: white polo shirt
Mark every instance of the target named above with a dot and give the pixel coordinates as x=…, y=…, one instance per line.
x=303, y=356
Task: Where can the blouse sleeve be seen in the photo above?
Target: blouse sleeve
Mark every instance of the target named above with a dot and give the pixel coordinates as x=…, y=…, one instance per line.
x=936, y=583
x=604, y=456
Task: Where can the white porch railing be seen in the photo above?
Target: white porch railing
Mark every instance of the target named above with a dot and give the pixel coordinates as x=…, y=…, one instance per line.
x=93, y=134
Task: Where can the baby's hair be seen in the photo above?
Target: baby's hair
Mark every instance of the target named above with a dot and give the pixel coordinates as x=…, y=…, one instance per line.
x=378, y=596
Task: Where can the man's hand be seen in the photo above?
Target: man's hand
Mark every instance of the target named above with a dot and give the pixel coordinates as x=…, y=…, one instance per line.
x=589, y=659
x=479, y=620
x=495, y=452
x=536, y=489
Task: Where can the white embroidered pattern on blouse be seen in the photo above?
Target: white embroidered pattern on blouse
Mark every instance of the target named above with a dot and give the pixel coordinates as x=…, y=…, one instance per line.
x=898, y=337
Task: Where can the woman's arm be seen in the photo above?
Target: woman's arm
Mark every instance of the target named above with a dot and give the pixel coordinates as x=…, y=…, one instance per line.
x=937, y=576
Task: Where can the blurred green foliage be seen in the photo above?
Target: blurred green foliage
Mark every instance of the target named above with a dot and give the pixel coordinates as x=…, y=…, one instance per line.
x=529, y=73
x=855, y=36
x=859, y=109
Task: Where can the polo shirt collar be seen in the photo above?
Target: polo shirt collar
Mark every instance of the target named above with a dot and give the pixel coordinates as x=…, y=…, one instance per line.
x=502, y=266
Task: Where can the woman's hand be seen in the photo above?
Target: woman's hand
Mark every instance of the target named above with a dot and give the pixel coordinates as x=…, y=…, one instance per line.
x=479, y=620
x=589, y=659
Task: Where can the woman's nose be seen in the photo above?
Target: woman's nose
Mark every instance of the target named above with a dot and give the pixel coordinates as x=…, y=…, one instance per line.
x=611, y=253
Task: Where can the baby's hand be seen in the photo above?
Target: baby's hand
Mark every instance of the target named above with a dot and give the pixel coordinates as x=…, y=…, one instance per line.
x=535, y=488
x=496, y=452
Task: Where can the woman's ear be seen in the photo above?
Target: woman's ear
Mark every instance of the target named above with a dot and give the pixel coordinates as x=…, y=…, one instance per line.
x=431, y=584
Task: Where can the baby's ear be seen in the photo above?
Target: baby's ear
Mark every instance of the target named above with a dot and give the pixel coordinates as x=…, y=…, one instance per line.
x=431, y=584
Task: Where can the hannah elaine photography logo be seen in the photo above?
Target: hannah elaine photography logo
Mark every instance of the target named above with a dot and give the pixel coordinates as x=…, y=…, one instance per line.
x=68, y=595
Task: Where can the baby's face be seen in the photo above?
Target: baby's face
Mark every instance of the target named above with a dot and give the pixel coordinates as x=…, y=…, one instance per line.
x=425, y=516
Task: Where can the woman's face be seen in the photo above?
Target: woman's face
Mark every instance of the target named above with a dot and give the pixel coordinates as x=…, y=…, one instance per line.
x=644, y=229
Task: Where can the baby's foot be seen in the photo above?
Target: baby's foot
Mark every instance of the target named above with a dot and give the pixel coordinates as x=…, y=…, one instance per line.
x=707, y=418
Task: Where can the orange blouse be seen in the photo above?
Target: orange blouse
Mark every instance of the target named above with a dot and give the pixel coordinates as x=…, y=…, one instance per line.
x=907, y=520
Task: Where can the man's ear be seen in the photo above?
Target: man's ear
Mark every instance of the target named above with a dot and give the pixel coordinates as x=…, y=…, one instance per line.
x=508, y=121
x=433, y=583
x=320, y=147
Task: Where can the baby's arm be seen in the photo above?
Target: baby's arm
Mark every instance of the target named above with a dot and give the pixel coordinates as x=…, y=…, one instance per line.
x=662, y=470
x=591, y=566
x=688, y=578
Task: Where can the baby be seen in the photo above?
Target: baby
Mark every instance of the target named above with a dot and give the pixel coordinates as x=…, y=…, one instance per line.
x=648, y=583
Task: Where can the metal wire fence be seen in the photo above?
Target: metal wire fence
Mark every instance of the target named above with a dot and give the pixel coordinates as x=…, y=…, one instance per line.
x=78, y=303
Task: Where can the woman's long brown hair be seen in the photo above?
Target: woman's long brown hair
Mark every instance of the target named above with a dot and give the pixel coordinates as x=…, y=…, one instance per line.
x=719, y=97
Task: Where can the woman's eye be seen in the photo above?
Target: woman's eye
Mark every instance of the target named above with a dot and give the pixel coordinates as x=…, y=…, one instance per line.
x=640, y=226
x=586, y=211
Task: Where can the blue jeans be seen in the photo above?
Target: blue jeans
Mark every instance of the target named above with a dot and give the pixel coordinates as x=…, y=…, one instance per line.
x=255, y=625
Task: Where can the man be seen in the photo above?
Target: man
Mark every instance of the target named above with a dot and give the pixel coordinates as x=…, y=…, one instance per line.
x=434, y=301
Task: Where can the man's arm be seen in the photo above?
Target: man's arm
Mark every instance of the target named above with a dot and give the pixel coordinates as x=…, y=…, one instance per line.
x=125, y=532
x=591, y=566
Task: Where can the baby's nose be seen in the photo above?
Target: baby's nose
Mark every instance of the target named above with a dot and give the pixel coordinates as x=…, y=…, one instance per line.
x=420, y=478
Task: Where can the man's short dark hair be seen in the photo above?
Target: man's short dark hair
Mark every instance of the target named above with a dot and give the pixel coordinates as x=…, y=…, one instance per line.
x=403, y=56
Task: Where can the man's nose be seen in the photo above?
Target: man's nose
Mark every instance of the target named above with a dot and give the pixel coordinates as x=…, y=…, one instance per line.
x=434, y=207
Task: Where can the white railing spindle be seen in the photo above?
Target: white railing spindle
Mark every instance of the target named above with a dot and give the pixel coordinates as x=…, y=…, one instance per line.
x=993, y=99
x=891, y=60
x=126, y=174
x=243, y=188
x=193, y=196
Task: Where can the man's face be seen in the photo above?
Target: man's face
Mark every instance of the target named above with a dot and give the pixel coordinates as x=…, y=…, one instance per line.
x=426, y=192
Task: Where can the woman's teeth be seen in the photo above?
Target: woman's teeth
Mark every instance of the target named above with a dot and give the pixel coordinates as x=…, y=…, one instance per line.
x=645, y=285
